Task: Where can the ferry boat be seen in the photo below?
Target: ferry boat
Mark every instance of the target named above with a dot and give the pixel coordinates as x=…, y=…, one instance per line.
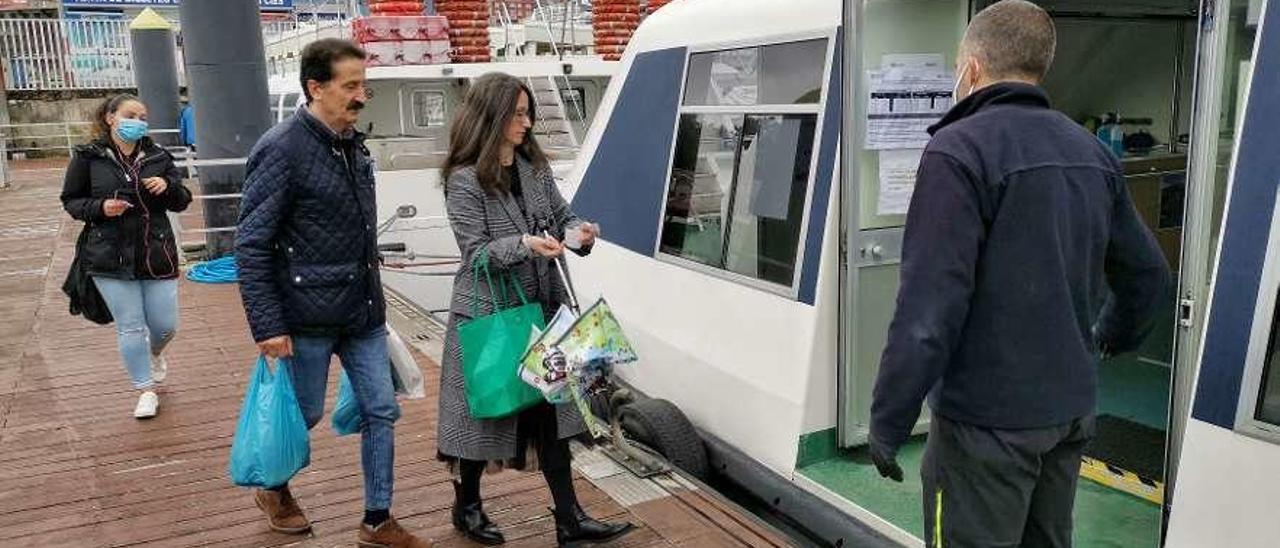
x=752, y=210
x=752, y=228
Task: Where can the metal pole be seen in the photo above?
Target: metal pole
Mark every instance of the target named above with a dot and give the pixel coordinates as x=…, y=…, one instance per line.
x=1197, y=226
x=155, y=71
x=564, y=25
x=227, y=83
x=562, y=266
x=4, y=122
x=848, y=193
x=1175, y=109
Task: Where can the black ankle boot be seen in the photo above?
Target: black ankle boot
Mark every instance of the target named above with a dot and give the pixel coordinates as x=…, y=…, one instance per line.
x=470, y=520
x=579, y=529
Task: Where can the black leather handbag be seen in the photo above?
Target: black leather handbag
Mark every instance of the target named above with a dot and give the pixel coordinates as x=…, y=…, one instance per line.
x=85, y=300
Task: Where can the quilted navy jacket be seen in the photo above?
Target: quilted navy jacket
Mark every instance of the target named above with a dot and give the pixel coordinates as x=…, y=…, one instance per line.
x=306, y=243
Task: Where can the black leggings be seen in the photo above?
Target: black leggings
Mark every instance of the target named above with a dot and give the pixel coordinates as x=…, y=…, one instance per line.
x=537, y=428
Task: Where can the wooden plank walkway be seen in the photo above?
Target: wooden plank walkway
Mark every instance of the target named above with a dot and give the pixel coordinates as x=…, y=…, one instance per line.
x=77, y=470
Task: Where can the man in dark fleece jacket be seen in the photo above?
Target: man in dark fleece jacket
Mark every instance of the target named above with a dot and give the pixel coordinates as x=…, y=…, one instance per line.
x=1023, y=261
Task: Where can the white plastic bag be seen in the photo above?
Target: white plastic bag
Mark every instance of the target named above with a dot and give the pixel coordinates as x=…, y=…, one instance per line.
x=534, y=365
x=405, y=374
x=535, y=377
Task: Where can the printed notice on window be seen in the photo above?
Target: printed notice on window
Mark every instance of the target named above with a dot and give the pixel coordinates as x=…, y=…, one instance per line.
x=907, y=96
x=897, y=180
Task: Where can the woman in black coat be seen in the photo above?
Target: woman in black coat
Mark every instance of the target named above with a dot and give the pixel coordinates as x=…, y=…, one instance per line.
x=122, y=185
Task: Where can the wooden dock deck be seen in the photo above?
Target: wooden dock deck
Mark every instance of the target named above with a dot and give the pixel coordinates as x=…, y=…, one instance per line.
x=77, y=470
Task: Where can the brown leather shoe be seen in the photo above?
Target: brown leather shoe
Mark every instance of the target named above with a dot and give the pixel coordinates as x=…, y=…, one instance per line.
x=388, y=535
x=283, y=513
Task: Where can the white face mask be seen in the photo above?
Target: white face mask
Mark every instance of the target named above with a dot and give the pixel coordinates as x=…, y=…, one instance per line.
x=955, y=91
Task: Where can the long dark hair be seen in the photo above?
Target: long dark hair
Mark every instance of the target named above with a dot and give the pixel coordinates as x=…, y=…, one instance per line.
x=479, y=129
x=101, y=130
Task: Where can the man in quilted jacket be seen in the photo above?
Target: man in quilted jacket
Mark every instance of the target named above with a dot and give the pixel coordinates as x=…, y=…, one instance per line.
x=306, y=246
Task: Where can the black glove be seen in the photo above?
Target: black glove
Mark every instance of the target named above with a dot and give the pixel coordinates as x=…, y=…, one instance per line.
x=886, y=460
x=1104, y=349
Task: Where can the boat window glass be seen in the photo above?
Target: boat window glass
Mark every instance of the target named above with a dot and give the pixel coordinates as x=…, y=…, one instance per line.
x=277, y=106
x=1268, y=406
x=701, y=184
x=723, y=78
x=768, y=199
x=740, y=173
x=289, y=103
x=574, y=100
x=776, y=74
x=428, y=108
x=792, y=73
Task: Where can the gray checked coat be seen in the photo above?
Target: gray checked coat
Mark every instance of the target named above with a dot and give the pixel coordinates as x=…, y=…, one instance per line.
x=481, y=220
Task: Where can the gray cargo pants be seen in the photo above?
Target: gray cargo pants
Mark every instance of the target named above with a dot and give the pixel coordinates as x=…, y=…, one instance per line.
x=986, y=488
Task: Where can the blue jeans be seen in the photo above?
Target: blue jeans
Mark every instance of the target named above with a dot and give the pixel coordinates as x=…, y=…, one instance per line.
x=146, y=318
x=368, y=366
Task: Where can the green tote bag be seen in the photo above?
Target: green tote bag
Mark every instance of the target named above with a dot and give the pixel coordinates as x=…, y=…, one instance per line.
x=492, y=346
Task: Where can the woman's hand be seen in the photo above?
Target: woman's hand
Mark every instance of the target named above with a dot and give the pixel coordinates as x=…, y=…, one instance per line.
x=546, y=247
x=589, y=232
x=156, y=185
x=115, y=208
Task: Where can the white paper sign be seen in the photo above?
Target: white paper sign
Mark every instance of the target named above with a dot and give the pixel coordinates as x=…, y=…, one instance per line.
x=929, y=62
x=909, y=93
x=897, y=180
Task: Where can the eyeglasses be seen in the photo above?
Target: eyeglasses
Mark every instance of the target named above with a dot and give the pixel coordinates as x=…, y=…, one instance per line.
x=368, y=91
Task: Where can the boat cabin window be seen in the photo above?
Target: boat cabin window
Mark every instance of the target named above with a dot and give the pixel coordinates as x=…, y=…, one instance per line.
x=574, y=100
x=428, y=109
x=740, y=173
x=1268, y=406
x=777, y=74
x=1258, y=413
x=283, y=105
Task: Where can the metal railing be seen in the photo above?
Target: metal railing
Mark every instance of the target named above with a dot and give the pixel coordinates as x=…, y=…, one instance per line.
x=272, y=30
x=66, y=54
x=57, y=54
x=284, y=48
x=21, y=141
x=41, y=139
x=199, y=229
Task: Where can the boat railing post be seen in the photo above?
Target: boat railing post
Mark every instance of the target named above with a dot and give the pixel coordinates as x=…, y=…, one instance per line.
x=546, y=24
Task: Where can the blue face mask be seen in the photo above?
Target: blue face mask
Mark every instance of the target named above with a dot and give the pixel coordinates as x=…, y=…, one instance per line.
x=131, y=130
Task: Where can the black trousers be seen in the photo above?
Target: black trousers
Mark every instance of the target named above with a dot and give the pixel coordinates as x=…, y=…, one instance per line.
x=536, y=429
x=987, y=488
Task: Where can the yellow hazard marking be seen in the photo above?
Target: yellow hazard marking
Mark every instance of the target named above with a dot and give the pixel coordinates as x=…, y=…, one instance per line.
x=1122, y=480
x=937, y=520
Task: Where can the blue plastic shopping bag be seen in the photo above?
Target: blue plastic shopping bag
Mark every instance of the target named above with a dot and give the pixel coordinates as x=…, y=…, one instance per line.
x=347, y=418
x=271, y=443
x=346, y=414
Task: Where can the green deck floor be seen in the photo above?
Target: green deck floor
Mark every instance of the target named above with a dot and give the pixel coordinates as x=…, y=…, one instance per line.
x=1104, y=518
x=1136, y=390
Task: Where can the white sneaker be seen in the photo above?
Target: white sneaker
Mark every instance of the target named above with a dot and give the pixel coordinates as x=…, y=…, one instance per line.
x=148, y=403
x=159, y=369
